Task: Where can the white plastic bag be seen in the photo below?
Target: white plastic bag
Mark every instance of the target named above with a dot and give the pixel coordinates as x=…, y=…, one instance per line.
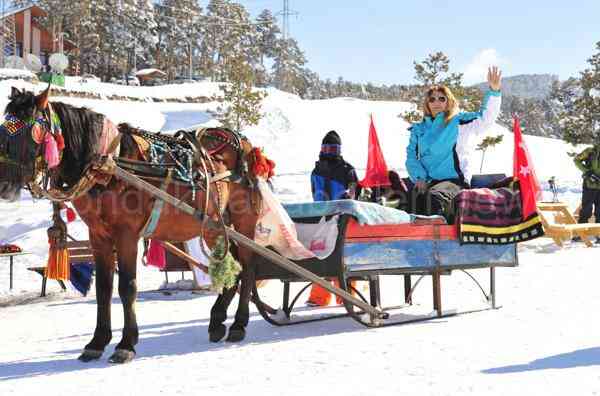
x=194, y=250
x=275, y=227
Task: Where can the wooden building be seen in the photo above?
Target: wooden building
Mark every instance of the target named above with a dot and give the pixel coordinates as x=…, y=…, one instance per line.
x=31, y=36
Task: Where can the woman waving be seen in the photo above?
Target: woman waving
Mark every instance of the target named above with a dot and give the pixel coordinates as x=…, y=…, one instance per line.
x=440, y=147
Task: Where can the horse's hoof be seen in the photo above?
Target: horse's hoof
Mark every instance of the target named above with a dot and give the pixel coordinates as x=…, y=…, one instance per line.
x=121, y=356
x=236, y=335
x=90, y=354
x=217, y=334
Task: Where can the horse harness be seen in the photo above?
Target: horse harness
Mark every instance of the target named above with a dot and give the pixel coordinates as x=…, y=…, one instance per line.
x=189, y=143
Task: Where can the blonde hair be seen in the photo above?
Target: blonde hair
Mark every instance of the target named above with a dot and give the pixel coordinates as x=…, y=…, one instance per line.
x=452, y=103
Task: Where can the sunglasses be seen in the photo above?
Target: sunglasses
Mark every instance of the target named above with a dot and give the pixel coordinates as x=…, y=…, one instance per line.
x=441, y=99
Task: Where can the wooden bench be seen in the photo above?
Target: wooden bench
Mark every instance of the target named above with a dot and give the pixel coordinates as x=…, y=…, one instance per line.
x=565, y=225
x=79, y=252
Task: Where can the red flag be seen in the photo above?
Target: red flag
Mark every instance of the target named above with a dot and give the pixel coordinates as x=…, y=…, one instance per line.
x=523, y=172
x=377, y=170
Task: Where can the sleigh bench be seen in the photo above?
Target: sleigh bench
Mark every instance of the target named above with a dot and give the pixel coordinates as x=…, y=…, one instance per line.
x=79, y=252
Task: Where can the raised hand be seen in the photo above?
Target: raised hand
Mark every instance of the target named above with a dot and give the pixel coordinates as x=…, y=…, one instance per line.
x=494, y=78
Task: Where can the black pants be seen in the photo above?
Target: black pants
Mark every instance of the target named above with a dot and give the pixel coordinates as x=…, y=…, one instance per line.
x=589, y=198
x=438, y=199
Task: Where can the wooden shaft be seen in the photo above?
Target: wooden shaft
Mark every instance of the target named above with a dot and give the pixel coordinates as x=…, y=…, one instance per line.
x=181, y=254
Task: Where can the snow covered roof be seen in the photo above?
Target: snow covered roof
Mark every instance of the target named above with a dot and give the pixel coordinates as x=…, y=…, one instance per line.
x=15, y=73
x=148, y=72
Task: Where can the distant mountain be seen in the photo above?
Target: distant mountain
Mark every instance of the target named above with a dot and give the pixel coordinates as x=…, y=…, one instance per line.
x=527, y=86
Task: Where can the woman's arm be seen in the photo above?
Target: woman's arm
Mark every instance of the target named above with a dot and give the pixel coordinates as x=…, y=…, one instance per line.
x=415, y=169
x=478, y=123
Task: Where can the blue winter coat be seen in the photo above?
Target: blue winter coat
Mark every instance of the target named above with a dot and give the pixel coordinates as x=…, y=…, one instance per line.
x=331, y=178
x=440, y=151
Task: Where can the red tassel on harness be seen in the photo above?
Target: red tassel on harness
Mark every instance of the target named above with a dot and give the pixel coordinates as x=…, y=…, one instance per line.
x=262, y=166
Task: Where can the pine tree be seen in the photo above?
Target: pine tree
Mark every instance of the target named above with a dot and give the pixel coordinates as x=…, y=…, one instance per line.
x=434, y=70
x=243, y=102
x=178, y=35
x=143, y=28
x=487, y=142
x=266, y=41
x=288, y=67
x=572, y=111
x=229, y=33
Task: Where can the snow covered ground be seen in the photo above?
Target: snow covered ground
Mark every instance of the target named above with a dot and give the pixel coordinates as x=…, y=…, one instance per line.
x=542, y=341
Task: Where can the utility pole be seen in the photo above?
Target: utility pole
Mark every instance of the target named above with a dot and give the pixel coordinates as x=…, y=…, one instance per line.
x=285, y=14
x=285, y=30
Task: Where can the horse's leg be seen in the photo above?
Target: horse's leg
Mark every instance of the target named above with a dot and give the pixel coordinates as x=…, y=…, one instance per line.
x=245, y=225
x=243, y=218
x=237, y=331
x=218, y=315
x=105, y=268
x=127, y=254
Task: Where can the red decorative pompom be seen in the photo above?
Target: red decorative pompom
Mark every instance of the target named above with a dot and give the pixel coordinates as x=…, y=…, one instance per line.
x=262, y=166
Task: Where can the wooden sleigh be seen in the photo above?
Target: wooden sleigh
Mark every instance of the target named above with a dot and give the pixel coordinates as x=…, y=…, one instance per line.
x=365, y=253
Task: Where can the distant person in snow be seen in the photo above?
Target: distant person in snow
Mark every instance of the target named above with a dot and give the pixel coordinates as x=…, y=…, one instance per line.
x=588, y=161
x=331, y=179
x=440, y=147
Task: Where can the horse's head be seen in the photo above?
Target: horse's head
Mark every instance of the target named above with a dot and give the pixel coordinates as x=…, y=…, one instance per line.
x=237, y=153
x=222, y=144
x=18, y=148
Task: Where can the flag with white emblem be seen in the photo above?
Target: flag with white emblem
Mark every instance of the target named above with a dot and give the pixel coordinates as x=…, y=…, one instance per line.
x=524, y=172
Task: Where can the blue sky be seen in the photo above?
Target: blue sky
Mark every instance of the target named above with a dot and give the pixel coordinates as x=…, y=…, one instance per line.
x=378, y=40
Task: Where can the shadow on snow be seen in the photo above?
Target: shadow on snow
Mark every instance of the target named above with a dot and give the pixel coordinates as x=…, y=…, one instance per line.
x=580, y=358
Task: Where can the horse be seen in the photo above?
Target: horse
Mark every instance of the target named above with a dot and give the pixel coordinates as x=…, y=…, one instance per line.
x=117, y=213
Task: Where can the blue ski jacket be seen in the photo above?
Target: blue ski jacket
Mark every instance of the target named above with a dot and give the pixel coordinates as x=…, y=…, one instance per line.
x=440, y=151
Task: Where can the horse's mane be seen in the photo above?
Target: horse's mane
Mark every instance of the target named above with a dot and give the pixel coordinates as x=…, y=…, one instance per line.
x=82, y=129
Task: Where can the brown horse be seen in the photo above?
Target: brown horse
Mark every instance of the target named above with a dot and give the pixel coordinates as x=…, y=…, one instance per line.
x=117, y=213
